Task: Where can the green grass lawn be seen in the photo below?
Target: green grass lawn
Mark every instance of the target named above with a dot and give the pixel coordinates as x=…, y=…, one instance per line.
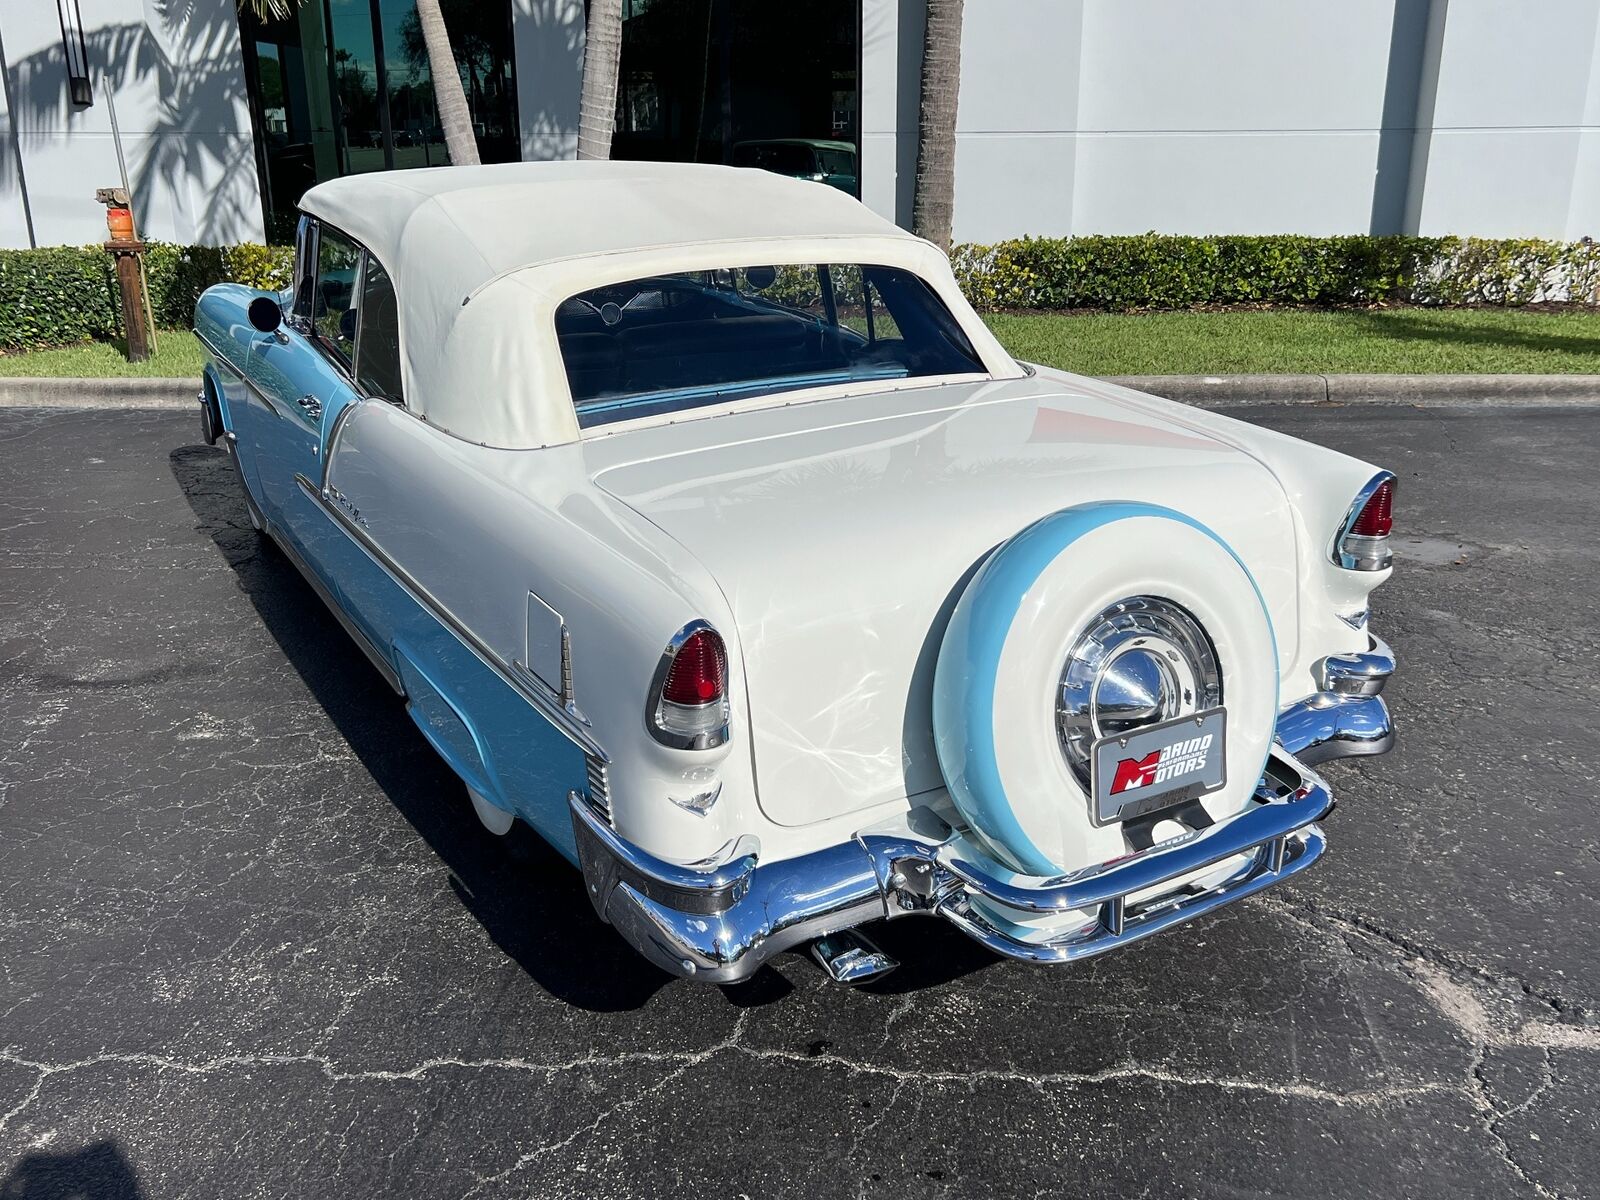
x=178, y=355
x=1407, y=341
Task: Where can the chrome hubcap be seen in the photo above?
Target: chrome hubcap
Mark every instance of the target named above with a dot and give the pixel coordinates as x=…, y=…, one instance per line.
x=1142, y=661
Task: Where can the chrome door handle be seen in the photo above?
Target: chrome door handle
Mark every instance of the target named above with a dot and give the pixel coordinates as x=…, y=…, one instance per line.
x=311, y=406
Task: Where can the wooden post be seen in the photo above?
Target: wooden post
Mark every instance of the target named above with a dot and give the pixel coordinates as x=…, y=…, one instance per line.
x=130, y=282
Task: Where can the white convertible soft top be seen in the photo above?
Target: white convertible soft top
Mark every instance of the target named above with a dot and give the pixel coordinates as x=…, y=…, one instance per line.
x=482, y=256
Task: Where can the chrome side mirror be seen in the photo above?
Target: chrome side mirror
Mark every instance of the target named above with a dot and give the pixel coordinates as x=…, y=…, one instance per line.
x=266, y=314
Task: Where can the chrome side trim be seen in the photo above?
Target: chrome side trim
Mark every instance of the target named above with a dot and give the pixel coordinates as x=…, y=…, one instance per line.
x=1362, y=553
x=547, y=705
x=720, y=924
x=339, y=419
x=383, y=665
x=597, y=782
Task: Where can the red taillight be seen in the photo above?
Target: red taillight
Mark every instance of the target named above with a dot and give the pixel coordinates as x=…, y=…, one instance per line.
x=1376, y=517
x=699, y=673
x=689, y=710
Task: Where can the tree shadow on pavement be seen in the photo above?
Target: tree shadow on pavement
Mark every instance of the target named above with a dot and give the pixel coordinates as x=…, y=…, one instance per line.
x=528, y=898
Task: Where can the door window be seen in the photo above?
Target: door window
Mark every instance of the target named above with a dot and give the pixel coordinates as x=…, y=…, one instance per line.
x=334, y=303
x=378, y=354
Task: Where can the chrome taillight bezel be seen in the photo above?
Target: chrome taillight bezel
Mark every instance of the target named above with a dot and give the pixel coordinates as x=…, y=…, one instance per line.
x=686, y=726
x=1354, y=551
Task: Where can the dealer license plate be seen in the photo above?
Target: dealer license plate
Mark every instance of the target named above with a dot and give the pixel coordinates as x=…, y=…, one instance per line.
x=1158, y=767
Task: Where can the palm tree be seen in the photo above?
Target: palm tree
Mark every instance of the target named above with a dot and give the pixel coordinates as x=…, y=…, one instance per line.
x=448, y=95
x=602, y=52
x=271, y=10
x=933, y=204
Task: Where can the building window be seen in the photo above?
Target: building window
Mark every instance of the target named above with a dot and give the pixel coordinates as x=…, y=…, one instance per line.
x=344, y=86
x=743, y=81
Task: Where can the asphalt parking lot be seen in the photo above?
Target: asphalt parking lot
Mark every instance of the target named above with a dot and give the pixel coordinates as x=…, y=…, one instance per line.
x=253, y=942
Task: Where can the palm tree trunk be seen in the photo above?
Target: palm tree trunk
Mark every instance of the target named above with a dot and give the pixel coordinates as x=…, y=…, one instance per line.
x=602, y=53
x=448, y=97
x=933, y=206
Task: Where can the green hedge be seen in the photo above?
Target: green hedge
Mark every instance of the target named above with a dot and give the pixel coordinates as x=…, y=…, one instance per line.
x=63, y=294
x=1160, y=271
x=68, y=294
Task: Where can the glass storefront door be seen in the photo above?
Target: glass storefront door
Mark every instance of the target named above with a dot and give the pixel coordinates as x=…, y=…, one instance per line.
x=748, y=82
x=344, y=86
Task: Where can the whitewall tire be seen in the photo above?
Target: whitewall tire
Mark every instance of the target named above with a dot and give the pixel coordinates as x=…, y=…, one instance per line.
x=999, y=677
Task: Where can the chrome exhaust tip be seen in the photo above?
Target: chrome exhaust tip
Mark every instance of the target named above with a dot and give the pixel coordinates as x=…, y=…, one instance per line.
x=850, y=958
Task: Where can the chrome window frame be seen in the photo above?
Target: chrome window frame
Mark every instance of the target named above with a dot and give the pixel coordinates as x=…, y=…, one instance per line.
x=310, y=241
x=347, y=369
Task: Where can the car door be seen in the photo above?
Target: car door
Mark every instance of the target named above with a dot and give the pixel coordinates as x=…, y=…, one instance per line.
x=304, y=372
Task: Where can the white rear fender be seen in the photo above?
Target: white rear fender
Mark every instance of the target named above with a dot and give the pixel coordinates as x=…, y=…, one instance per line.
x=518, y=548
x=1319, y=484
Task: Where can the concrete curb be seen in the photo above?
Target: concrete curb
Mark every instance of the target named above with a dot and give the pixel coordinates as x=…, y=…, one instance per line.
x=98, y=393
x=1205, y=391
x=1216, y=391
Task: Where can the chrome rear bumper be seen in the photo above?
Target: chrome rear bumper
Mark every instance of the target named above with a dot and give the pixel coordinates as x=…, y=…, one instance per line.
x=720, y=923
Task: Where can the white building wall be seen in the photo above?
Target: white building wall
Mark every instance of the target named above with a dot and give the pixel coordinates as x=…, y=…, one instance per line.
x=1077, y=116
x=1513, y=146
x=547, y=37
x=1253, y=116
x=178, y=82
x=1243, y=116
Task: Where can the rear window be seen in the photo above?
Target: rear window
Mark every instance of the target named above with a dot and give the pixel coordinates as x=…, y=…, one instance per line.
x=675, y=342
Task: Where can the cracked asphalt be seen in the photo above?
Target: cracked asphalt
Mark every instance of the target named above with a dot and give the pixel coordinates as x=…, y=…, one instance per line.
x=254, y=944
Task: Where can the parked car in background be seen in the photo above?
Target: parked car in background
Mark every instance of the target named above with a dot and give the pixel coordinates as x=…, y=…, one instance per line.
x=833, y=163
x=704, y=527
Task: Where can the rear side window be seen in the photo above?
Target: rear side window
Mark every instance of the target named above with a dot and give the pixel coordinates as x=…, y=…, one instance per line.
x=675, y=342
x=378, y=351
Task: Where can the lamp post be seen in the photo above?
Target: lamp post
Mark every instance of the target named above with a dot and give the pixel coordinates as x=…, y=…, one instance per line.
x=78, y=85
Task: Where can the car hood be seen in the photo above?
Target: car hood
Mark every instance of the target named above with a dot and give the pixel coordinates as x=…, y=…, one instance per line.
x=842, y=532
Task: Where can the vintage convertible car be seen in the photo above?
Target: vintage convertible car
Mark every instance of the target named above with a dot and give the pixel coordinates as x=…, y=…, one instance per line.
x=704, y=527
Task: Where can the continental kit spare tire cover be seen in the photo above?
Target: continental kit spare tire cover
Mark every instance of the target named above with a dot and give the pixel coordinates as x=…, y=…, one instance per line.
x=1092, y=625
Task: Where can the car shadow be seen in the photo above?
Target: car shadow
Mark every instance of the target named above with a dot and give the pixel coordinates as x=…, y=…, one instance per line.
x=100, y=1171
x=528, y=898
